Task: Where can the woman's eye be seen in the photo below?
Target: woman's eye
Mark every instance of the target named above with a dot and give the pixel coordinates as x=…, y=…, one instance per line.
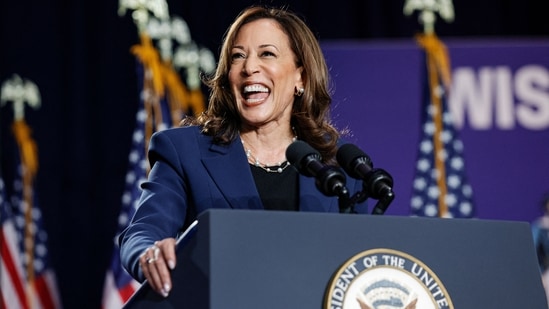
x=236, y=56
x=267, y=54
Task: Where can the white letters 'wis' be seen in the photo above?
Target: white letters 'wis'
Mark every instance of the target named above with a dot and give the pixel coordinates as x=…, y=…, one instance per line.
x=498, y=98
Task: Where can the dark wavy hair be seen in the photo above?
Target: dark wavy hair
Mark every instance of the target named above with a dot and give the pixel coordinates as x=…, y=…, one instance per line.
x=310, y=115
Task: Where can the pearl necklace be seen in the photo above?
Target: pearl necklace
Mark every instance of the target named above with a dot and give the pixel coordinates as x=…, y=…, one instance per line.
x=276, y=168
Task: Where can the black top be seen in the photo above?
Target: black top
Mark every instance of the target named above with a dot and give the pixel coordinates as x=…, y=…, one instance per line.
x=278, y=191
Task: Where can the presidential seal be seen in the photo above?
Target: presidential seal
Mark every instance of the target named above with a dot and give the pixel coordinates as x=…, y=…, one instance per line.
x=385, y=279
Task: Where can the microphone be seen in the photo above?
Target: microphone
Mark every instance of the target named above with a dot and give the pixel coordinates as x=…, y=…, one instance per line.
x=329, y=179
x=377, y=183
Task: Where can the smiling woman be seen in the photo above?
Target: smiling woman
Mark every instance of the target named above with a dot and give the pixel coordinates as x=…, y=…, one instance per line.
x=270, y=88
x=264, y=75
x=89, y=87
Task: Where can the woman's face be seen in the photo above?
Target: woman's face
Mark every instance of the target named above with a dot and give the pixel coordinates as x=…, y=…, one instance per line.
x=263, y=73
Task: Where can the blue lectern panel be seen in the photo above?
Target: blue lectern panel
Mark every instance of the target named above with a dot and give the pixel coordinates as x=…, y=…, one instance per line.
x=258, y=259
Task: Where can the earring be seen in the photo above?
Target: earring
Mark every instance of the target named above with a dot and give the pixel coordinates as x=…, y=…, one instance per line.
x=299, y=92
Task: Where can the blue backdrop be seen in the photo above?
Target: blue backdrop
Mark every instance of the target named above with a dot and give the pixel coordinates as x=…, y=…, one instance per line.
x=500, y=100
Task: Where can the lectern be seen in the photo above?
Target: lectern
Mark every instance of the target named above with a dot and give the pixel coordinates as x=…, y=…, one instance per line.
x=268, y=259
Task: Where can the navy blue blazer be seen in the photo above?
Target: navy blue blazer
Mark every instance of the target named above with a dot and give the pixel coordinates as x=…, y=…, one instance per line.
x=191, y=174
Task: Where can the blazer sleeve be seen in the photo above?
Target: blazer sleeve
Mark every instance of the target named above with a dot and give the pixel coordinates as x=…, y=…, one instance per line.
x=162, y=206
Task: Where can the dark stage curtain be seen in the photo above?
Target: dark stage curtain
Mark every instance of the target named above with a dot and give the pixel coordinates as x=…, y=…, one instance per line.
x=77, y=52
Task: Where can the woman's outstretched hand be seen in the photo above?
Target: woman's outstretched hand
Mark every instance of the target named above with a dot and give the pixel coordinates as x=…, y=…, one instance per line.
x=156, y=262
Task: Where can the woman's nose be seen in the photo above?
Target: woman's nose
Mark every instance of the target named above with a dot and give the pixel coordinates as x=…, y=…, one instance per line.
x=250, y=66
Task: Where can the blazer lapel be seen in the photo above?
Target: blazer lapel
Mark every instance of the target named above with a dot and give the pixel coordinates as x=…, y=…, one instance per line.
x=228, y=167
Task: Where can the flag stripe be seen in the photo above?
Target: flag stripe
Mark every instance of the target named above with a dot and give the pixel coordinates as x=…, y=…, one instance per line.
x=115, y=296
x=127, y=291
x=11, y=274
x=2, y=301
x=41, y=284
x=9, y=296
x=26, y=279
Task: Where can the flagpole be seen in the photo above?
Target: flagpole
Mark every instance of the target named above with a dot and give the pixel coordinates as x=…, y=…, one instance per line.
x=21, y=92
x=438, y=67
x=437, y=138
x=27, y=153
x=434, y=195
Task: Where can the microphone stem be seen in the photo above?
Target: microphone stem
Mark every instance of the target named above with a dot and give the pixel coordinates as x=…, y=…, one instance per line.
x=383, y=202
x=346, y=204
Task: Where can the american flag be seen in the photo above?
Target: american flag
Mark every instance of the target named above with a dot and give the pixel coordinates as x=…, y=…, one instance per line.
x=164, y=101
x=119, y=285
x=153, y=115
x=26, y=277
x=440, y=187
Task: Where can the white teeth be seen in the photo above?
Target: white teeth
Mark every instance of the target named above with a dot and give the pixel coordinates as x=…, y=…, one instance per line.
x=252, y=101
x=255, y=88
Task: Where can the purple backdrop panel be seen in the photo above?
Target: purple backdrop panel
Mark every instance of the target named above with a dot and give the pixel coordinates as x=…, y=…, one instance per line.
x=500, y=102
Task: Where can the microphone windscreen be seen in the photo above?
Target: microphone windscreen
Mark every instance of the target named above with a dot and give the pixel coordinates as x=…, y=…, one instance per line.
x=297, y=151
x=347, y=155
